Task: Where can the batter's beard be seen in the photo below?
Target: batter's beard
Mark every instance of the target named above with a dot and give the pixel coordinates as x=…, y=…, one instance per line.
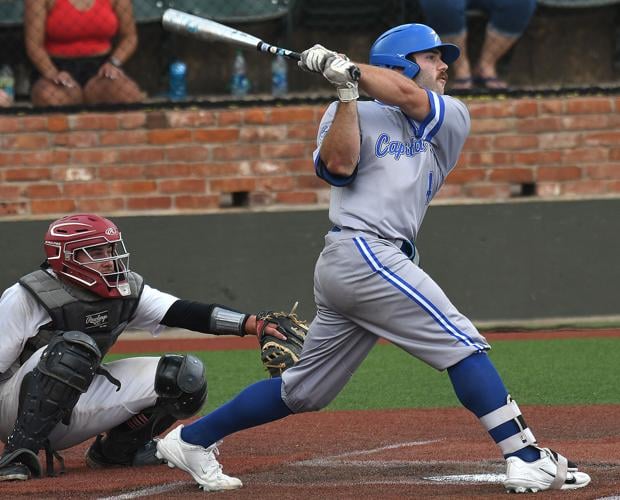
x=429, y=82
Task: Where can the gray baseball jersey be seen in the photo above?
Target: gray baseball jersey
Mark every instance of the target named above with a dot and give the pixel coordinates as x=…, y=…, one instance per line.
x=402, y=165
x=365, y=287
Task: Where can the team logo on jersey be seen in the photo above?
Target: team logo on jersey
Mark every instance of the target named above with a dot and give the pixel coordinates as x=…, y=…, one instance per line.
x=384, y=146
x=97, y=320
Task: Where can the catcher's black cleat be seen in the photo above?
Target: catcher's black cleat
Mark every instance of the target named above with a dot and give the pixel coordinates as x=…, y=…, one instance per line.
x=144, y=456
x=19, y=465
x=14, y=472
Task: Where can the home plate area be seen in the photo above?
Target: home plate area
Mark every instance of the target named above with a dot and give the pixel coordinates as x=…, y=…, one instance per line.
x=359, y=467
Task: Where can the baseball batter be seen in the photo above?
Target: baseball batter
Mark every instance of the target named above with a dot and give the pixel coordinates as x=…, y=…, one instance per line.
x=58, y=322
x=385, y=160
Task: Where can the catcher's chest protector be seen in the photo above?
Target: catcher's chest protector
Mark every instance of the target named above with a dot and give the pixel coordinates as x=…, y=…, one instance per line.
x=72, y=308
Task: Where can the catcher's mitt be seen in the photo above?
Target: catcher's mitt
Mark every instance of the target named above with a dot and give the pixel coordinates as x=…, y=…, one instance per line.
x=276, y=354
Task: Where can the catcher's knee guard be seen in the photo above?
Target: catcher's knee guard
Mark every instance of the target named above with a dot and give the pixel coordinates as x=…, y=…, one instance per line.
x=181, y=385
x=49, y=393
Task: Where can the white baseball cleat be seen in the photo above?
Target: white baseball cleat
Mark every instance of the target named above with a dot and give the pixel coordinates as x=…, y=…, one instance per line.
x=551, y=472
x=200, y=462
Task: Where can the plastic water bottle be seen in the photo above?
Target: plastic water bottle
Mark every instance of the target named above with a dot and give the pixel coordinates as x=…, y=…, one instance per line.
x=239, y=83
x=7, y=81
x=279, y=79
x=22, y=81
x=177, y=80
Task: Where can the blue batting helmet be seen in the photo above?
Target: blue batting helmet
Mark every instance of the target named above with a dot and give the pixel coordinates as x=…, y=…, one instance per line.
x=391, y=49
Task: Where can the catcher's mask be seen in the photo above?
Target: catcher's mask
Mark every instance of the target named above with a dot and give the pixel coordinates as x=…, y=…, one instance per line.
x=88, y=251
x=394, y=48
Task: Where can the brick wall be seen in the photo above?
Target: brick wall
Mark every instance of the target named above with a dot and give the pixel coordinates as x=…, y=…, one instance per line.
x=197, y=160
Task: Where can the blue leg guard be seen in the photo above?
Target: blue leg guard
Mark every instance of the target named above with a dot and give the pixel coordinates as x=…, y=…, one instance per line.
x=257, y=404
x=480, y=389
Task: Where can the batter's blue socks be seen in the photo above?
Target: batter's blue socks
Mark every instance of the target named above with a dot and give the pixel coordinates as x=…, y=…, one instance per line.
x=481, y=390
x=255, y=405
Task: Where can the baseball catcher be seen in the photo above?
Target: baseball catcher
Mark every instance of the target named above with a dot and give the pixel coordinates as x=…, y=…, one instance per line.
x=278, y=354
x=57, y=324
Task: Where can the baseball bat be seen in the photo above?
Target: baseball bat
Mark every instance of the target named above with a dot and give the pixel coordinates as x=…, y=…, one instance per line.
x=205, y=29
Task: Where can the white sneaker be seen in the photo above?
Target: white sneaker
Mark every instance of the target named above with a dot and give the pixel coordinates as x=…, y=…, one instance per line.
x=551, y=472
x=200, y=462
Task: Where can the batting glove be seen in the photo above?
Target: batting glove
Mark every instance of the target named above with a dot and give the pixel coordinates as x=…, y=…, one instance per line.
x=314, y=58
x=340, y=72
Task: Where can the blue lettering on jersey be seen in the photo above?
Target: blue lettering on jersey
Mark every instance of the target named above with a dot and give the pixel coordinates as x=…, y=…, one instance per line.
x=384, y=146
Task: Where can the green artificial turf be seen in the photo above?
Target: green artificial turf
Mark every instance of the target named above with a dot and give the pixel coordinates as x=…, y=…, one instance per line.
x=550, y=372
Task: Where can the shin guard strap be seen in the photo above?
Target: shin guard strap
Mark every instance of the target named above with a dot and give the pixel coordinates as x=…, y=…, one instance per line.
x=517, y=442
x=507, y=413
x=503, y=414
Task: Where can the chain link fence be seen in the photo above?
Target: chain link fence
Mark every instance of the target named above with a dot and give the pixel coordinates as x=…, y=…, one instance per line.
x=89, y=52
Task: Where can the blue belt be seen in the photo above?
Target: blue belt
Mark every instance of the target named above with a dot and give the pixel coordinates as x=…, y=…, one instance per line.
x=407, y=247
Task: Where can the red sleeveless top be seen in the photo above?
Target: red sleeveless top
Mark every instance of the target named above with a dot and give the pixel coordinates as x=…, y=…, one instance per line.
x=70, y=32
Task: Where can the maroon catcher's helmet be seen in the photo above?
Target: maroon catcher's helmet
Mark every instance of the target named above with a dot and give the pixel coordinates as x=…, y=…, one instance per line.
x=88, y=251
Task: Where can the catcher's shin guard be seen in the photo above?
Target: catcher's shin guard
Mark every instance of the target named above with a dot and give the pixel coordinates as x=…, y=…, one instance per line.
x=181, y=385
x=48, y=394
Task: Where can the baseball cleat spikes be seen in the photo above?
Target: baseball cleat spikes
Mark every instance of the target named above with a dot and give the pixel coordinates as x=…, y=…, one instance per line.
x=523, y=489
x=161, y=457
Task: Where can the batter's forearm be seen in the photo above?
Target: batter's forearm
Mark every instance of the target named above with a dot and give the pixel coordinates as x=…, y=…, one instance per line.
x=391, y=87
x=340, y=150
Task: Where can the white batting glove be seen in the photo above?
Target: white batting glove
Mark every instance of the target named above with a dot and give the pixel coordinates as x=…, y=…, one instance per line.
x=339, y=71
x=314, y=58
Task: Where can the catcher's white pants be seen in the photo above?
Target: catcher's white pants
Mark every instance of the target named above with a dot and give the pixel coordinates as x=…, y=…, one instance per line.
x=98, y=409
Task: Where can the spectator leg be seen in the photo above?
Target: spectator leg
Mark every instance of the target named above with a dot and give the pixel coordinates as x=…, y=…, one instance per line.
x=494, y=47
x=124, y=90
x=461, y=78
x=46, y=93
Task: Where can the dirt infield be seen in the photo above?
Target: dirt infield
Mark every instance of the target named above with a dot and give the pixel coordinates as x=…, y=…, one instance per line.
x=362, y=454
x=409, y=453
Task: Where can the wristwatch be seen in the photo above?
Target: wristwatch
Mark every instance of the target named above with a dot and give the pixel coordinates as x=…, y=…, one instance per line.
x=115, y=61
